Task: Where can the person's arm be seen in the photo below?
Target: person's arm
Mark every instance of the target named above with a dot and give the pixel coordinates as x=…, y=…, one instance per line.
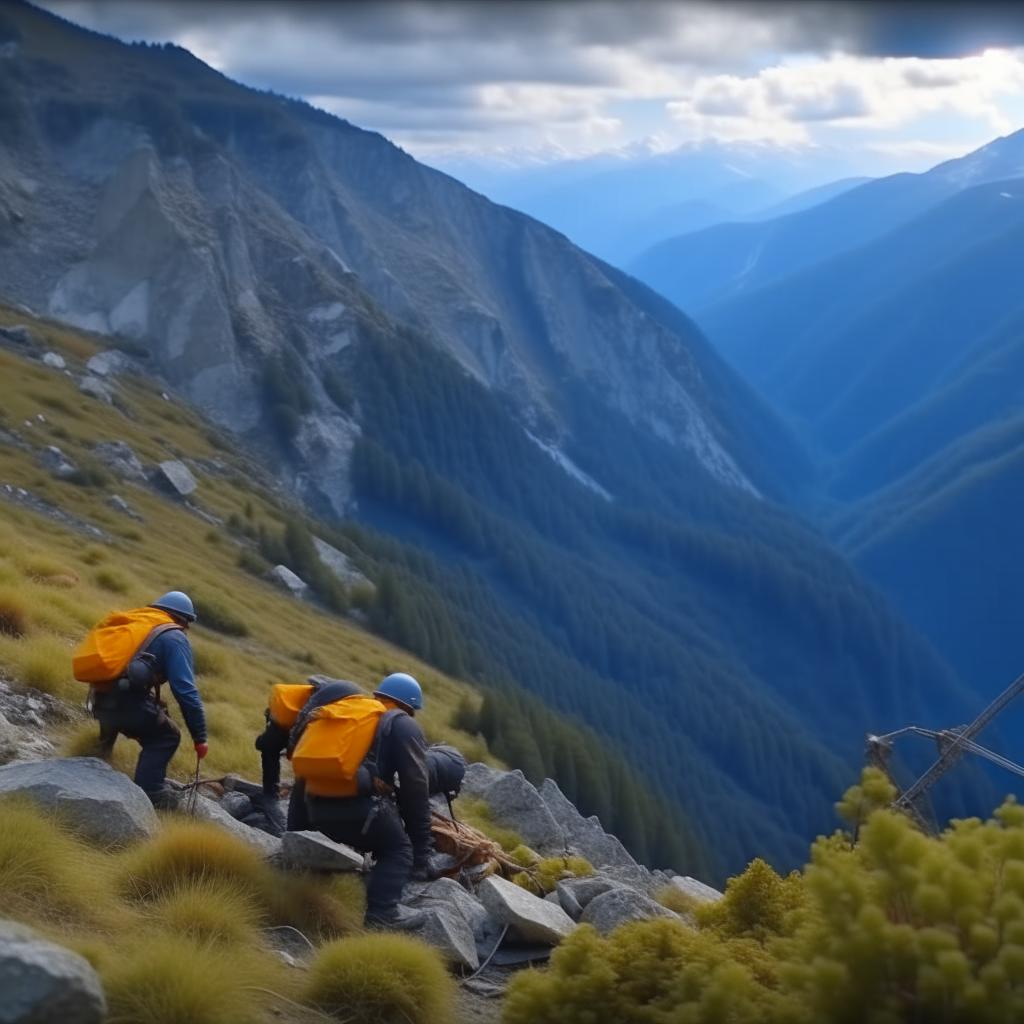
x=180, y=674
x=409, y=756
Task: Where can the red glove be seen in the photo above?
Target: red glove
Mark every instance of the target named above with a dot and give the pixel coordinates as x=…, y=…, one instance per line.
x=202, y=749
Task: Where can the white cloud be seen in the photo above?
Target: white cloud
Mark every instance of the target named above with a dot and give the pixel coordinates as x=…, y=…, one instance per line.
x=883, y=94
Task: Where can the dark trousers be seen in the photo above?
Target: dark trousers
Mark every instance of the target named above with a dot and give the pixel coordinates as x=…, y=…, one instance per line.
x=385, y=838
x=148, y=724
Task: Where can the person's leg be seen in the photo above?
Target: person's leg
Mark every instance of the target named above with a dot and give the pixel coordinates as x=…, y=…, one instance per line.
x=159, y=737
x=386, y=839
x=108, y=735
x=298, y=816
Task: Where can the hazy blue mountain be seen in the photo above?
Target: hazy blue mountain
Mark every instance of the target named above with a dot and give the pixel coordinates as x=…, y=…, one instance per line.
x=727, y=262
x=617, y=206
x=565, y=491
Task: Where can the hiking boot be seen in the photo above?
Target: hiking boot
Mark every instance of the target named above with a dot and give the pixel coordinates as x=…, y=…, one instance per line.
x=165, y=799
x=400, y=919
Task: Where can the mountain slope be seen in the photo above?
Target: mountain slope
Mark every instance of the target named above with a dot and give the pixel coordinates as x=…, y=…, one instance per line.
x=725, y=263
x=565, y=489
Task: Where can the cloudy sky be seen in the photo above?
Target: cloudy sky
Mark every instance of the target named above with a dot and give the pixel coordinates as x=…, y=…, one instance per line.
x=539, y=80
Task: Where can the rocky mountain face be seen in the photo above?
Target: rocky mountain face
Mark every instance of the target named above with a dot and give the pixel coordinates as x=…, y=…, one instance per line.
x=143, y=195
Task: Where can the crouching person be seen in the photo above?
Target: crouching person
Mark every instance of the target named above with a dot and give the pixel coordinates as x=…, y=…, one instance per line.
x=287, y=701
x=364, y=765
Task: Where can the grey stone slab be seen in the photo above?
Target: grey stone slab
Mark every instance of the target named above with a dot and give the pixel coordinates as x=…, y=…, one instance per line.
x=311, y=851
x=618, y=906
x=96, y=801
x=533, y=918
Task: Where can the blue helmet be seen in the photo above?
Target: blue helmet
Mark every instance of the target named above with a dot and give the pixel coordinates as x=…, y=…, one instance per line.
x=176, y=603
x=401, y=688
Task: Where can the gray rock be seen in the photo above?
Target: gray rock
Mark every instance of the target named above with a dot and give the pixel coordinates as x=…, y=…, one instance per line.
x=446, y=892
x=696, y=890
x=57, y=463
x=19, y=334
x=108, y=363
x=447, y=931
x=121, y=459
x=210, y=810
x=96, y=801
x=515, y=803
x=339, y=563
x=96, y=388
x=42, y=982
x=176, y=477
x=238, y=805
x=54, y=360
x=283, y=577
x=584, y=834
x=534, y=919
x=582, y=890
x=636, y=877
x=118, y=504
x=479, y=778
x=10, y=740
x=311, y=851
x=617, y=906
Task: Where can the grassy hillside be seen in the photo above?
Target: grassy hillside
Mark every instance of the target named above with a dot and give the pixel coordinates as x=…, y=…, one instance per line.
x=55, y=582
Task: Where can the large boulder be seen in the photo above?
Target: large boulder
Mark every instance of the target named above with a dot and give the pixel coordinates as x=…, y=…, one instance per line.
x=209, y=810
x=94, y=799
x=516, y=804
x=446, y=892
x=585, y=835
x=617, y=906
x=575, y=893
x=339, y=563
x=41, y=982
x=479, y=778
x=446, y=930
x=695, y=889
x=174, y=476
x=311, y=851
x=96, y=388
x=108, y=363
x=534, y=919
x=19, y=334
x=284, y=578
x=120, y=458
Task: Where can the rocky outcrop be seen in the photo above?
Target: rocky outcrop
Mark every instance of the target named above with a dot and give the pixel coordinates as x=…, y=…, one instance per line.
x=311, y=851
x=281, y=576
x=209, y=810
x=174, y=476
x=620, y=905
x=534, y=919
x=120, y=458
x=695, y=889
x=585, y=835
x=98, y=389
x=41, y=982
x=515, y=802
x=94, y=799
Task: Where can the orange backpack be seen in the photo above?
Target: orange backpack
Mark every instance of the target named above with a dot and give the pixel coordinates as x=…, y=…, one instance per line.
x=286, y=701
x=334, y=744
x=108, y=648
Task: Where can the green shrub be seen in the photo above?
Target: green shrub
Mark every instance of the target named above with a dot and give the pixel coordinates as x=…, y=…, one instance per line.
x=208, y=912
x=111, y=580
x=186, y=854
x=169, y=979
x=380, y=979
x=545, y=873
x=252, y=563
x=216, y=614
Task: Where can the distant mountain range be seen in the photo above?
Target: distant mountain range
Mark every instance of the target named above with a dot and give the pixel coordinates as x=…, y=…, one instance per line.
x=887, y=325
x=617, y=205
x=570, y=493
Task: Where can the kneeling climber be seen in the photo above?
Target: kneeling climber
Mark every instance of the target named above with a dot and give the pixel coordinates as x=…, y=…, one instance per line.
x=126, y=658
x=363, y=762
x=287, y=701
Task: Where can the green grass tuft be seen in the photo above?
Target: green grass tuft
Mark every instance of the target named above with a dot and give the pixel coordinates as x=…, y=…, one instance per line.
x=379, y=979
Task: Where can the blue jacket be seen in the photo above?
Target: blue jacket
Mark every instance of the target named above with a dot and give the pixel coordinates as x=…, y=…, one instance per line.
x=173, y=654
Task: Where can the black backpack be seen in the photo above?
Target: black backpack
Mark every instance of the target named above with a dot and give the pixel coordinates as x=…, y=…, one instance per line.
x=446, y=767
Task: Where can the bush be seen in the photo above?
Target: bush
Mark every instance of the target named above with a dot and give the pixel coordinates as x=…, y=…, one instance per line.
x=113, y=581
x=46, y=875
x=188, y=854
x=13, y=620
x=215, y=614
x=252, y=563
x=208, y=912
x=320, y=908
x=648, y=972
x=169, y=979
x=45, y=663
x=546, y=873
x=378, y=979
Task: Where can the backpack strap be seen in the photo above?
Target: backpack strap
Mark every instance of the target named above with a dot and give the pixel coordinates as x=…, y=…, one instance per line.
x=154, y=634
x=371, y=763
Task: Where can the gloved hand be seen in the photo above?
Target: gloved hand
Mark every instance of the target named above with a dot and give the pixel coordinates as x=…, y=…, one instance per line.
x=428, y=868
x=202, y=749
